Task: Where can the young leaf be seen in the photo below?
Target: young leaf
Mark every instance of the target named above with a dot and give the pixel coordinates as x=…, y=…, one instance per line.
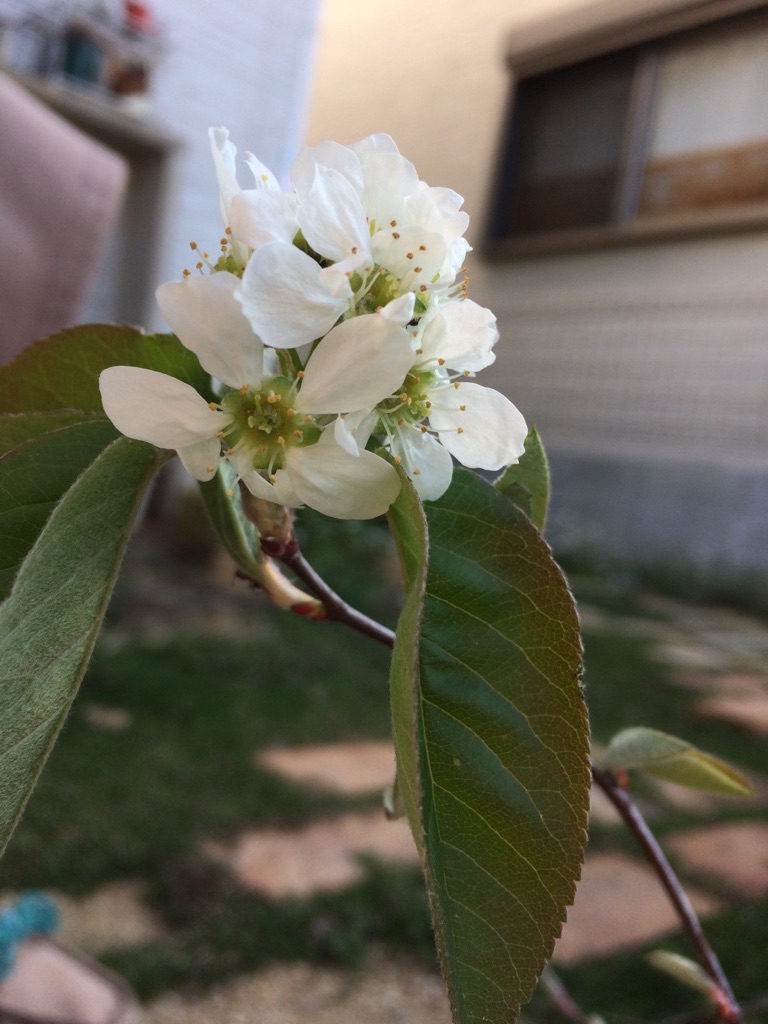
x=527, y=482
x=686, y=971
x=49, y=622
x=492, y=739
x=668, y=757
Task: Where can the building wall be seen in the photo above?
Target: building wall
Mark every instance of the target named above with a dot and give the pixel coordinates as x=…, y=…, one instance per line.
x=645, y=368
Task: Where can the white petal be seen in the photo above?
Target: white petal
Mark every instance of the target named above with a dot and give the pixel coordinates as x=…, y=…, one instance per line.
x=400, y=310
x=282, y=296
x=389, y=177
x=359, y=363
x=326, y=154
x=341, y=485
x=151, y=406
x=201, y=460
x=493, y=431
x=260, y=216
x=332, y=218
x=462, y=334
x=262, y=176
x=425, y=460
x=353, y=430
x=224, y=154
x=414, y=255
x=205, y=315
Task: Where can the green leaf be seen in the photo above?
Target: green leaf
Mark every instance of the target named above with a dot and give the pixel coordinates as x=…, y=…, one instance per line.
x=62, y=372
x=49, y=623
x=43, y=454
x=492, y=739
x=236, y=532
x=527, y=482
x=668, y=757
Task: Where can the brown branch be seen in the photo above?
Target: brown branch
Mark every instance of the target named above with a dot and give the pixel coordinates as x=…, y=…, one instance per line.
x=726, y=1003
x=337, y=609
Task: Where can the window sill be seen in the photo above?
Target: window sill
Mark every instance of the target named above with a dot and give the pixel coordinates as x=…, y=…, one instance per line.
x=649, y=229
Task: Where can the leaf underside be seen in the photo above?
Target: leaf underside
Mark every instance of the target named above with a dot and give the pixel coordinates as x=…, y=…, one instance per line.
x=491, y=730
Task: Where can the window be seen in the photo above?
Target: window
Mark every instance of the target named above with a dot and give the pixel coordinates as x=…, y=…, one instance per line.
x=666, y=135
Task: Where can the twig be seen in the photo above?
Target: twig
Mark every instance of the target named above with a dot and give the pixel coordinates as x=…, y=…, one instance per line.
x=727, y=1006
x=560, y=997
x=336, y=607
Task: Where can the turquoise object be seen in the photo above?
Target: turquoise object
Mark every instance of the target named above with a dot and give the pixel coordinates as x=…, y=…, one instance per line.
x=33, y=913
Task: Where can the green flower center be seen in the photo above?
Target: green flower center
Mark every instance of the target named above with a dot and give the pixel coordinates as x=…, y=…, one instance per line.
x=265, y=423
x=411, y=404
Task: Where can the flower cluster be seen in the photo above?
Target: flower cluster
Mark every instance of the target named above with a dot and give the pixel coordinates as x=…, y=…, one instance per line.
x=333, y=322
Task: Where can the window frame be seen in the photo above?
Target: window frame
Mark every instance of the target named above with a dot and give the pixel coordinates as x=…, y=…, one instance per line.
x=595, y=31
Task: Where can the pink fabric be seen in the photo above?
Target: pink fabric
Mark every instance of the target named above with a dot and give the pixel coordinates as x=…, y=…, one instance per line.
x=60, y=193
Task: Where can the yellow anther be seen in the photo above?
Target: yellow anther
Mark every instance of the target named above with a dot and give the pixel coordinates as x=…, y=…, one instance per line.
x=185, y=272
x=428, y=405
x=230, y=451
x=422, y=287
x=456, y=384
x=417, y=270
x=212, y=406
x=199, y=265
x=273, y=479
x=244, y=389
x=400, y=421
x=398, y=460
x=467, y=373
x=462, y=408
x=307, y=419
x=403, y=396
x=290, y=412
x=272, y=398
x=393, y=223
x=193, y=246
x=299, y=434
x=354, y=250
x=300, y=374
x=459, y=430
x=230, y=493
x=409, y=255
x=441, y=362
x=220, y=435
x=417, y=472
x=419, y=351
x=395, y=234
x=227, y=231
x=424, y=430
x=422, y=248
x=209, y=469
x=280, y=439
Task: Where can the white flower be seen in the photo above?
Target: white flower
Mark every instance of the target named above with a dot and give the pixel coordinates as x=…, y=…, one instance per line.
x=435, y=413
x=272, y=429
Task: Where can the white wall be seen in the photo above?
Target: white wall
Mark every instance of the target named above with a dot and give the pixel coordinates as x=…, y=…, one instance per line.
x=244, y=64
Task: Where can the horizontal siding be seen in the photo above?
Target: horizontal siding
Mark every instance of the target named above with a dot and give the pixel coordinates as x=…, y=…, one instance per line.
x=657, y=352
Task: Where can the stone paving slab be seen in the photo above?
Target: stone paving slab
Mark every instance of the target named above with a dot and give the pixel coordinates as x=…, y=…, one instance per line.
x=749, y=711
x=619, y=904
x=324, y=855
x=734, y=853
x=350, y=768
